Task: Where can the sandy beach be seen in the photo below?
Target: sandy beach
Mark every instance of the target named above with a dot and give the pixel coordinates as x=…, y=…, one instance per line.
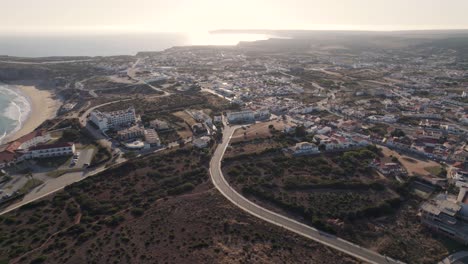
x=43, y=107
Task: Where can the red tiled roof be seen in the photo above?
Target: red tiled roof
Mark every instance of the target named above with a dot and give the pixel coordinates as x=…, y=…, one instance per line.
x=51, y=146
x=6, y=156
x=13, y=146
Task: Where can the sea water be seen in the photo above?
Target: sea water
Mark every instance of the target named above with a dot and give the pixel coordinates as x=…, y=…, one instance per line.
x=14, y=110
x=30, y=45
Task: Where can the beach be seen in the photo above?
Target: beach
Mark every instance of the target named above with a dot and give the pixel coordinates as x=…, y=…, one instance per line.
x=43, y=107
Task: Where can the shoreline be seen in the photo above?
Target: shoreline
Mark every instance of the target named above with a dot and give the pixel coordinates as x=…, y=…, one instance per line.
x=43, y=107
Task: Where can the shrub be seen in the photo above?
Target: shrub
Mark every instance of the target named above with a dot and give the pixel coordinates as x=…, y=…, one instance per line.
x=137, y=212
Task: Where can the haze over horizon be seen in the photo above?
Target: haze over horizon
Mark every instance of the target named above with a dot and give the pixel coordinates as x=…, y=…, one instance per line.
x=109, y=16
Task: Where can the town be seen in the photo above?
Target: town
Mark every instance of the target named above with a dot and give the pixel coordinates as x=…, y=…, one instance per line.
x=384, y=131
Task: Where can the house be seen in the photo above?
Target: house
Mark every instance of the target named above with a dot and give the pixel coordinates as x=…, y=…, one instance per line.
x=159, y=125
x=51, y=150
x=262, y=114
x=33, y=139
x=198, y=129
x=387, y=168
x=241, y=117
x=201, y=142
x=305, y=148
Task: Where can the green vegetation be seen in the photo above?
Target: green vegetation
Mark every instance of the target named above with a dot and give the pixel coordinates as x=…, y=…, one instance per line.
x=379, y=129
x=103, y=201
x=315, y=188
x=29, y=185
x=101, y=155
x=398, y=133
x=58, y=173
x=53, y=162
x=437, y=171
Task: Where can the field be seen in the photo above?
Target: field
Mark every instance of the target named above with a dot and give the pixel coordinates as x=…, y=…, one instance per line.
x=412, y=165
x=340, y=194
x=161, y=209
x=259, y=130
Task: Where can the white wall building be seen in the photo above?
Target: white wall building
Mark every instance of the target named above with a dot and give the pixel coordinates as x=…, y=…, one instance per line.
x=131, y=132
x=241, y=117
x=52, y=150
x=33, y=139
x=305, y=148
x=106, y=120
x=152, y=137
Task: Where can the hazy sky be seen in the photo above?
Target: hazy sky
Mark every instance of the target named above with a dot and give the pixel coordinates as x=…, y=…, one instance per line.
x=191, y=15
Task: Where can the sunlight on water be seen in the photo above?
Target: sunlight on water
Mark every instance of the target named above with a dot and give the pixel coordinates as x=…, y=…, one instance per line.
x=205, y=38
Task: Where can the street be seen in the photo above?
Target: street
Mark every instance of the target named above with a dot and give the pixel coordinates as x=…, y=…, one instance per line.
x=223, y=186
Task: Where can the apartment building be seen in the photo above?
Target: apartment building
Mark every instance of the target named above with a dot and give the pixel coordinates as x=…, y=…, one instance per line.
x=131, y=133
x=448, y=215
x=241, y=117
x=51, y=150
x=107, y=120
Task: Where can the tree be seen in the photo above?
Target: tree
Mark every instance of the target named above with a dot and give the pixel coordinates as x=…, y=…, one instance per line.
x=398, y=133
x=130, y=155
x=71, y=135
x=300, y=131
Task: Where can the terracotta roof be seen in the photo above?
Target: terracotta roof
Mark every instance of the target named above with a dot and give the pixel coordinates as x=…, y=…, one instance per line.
x=51, y=146
x=30, y=136
x=13, y=147
x=6, y=156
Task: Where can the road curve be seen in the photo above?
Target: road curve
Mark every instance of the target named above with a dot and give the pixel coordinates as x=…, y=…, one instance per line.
x=321, y=237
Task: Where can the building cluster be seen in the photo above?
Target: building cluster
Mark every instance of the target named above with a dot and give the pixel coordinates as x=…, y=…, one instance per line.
x=127, y=127
x=115, y=120
x=33, y=145
x=447, y=215
x=333, y=141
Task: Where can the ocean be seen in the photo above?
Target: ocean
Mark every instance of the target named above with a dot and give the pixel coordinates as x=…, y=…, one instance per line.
x=32, y=45
x=14, y=109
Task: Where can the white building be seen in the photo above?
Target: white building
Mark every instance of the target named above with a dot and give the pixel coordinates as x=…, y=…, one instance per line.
x=52, y=150
x=33, y=139
x=241, y=117
x=152, y=137
x=202, y=142
x=159, y=125
x=106, y=120
x=305, y=148
x=131, y=132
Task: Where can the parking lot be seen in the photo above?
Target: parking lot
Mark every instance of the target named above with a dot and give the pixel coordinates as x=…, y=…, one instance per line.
x=85, y=157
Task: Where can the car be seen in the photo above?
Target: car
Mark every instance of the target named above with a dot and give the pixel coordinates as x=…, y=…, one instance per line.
x=86, y=165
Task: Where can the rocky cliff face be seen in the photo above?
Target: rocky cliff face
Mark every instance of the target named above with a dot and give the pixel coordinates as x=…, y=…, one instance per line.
x=13, y=72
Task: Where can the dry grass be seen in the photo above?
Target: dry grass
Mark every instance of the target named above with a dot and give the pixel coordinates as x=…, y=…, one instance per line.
x=186, y=117
x=259, y=130
x=413, y=166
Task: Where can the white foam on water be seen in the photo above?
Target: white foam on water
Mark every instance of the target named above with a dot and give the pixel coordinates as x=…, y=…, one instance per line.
x=18, y=110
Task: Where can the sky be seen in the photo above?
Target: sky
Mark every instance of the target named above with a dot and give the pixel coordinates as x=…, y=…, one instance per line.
x=44, y=16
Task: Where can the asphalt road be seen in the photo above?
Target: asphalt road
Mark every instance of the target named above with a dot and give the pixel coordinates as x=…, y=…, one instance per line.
x=321, y=237
x=86, y=156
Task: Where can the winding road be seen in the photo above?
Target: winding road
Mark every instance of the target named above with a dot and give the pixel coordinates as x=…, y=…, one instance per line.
x=321, y=237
